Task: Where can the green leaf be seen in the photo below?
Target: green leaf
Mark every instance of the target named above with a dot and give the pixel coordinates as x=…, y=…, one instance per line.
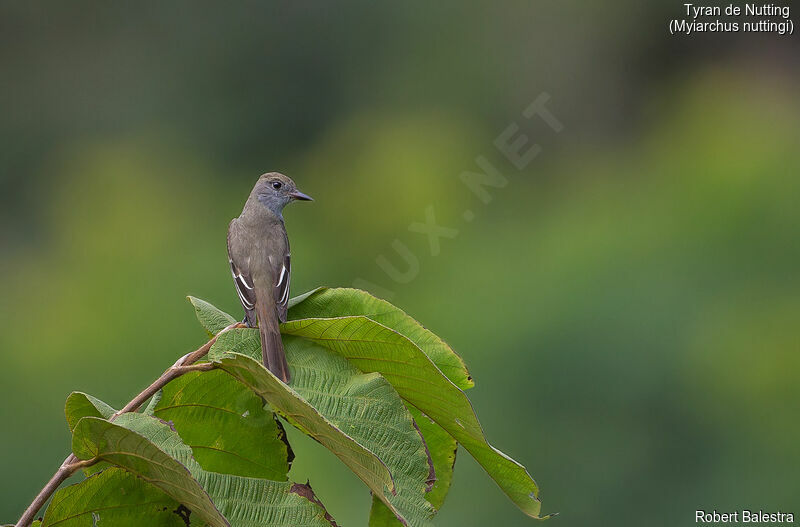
x=442, y=447
x=113, y=497
x=81, y=405
x=151, y=404
x=301, y=298
x=246, y=339
x=326, y=302
x=372, y=347
x=371, y=412
x=245, y=502
x=95, y=438
x=381, y=516
x=226, y=425
x=211, y=318
x=284, y=399
x=250, y=502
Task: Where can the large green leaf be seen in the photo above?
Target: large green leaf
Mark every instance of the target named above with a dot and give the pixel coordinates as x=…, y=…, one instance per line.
x=381, y=516
x=442, y=447
x=369, y=410
x=364, y=463
x=242, y=340
x=337, y=302
x=114, y=497
x=211, y=318
x=251, y=502
x=372, y=347
x=245, y=502
x=80, y=405
x=95, y=438
x=226, y=425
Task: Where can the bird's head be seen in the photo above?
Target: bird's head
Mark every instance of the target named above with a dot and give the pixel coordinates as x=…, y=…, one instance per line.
x=275, y=191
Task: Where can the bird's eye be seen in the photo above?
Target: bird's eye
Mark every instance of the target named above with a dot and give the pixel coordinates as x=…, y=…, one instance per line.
x=276, y=185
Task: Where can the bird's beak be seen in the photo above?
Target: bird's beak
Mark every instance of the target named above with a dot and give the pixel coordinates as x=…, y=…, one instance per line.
x=299, y=195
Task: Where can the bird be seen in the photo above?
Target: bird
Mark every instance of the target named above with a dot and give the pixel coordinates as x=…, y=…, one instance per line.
x=258, y=252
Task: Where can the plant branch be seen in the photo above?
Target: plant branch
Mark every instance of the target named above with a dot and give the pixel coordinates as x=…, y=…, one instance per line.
x=67, y=468
x=71, y=464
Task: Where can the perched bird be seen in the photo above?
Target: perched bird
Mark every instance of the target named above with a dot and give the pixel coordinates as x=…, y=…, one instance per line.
x=258, y=251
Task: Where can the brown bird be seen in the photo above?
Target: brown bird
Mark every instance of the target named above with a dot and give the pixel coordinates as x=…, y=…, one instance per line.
x=258, y=251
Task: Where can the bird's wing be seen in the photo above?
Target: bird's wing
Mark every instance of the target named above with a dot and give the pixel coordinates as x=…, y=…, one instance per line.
x=242, y=279
x=282, y=287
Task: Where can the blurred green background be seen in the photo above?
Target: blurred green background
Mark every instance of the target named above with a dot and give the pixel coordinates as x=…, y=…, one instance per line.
x=628, y=304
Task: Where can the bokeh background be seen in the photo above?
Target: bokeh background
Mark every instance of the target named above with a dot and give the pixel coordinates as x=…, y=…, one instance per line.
x=628, y=304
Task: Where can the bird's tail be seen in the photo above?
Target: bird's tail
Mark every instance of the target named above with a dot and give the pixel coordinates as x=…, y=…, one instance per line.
x=271, y=344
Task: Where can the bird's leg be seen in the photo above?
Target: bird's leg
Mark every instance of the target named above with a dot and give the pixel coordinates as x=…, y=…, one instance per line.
x=246, y=321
